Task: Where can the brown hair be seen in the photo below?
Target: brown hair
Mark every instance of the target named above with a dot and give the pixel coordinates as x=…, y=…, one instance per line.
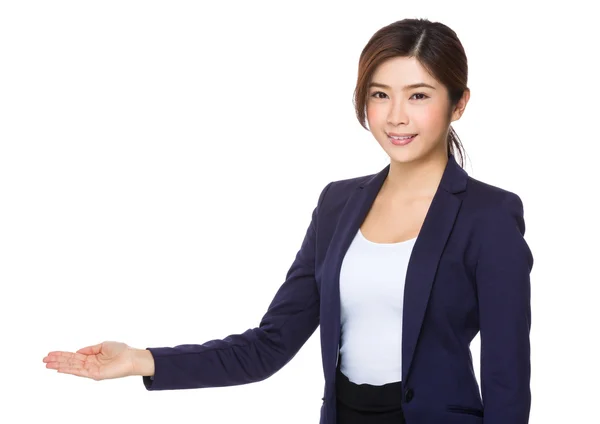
x=434, y=45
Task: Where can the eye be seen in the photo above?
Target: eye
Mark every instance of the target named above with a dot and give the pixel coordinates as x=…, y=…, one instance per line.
x=420, y=94
x=376, y=95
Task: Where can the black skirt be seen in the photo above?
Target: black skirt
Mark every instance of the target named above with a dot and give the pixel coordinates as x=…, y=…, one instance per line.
x=367, y=404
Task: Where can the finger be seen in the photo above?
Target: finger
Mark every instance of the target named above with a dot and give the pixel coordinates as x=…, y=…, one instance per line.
x=59, y=355
x=75, y=365
x=61, y=363
x=90, y=350
x=64, y=364
x=71, y=359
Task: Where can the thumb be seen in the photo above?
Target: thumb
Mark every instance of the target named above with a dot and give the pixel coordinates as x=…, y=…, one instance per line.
x=90, y=350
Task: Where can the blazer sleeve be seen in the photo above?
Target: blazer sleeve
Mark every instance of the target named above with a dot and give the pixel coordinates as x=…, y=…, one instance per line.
x=291, y=318
x=503, y=289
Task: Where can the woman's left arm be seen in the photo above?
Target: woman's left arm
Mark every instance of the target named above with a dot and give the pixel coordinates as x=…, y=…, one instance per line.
x=504, y=292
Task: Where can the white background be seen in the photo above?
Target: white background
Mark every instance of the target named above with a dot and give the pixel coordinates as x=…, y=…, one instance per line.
x=160, y=161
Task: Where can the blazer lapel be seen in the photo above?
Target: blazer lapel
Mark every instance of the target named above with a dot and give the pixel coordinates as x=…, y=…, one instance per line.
x=423, y=262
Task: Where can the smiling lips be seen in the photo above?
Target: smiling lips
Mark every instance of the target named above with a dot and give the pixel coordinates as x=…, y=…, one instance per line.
x=400, y=139
x=392, y=134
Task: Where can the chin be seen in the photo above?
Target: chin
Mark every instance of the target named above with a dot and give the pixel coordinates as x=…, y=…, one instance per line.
x=404, y=159
x=409, y=156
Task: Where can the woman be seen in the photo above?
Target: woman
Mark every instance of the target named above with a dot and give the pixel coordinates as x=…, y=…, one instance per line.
x=400, y=269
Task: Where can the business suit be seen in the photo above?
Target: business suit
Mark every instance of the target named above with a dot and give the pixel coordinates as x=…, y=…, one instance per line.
x=468, y=272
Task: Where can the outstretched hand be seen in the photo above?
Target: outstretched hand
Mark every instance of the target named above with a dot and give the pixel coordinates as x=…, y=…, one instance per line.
x=99, y=362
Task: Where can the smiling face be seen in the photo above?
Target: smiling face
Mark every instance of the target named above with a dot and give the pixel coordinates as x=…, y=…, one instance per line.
x=395, y=106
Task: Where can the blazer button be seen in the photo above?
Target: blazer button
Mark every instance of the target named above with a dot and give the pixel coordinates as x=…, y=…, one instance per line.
x=408, y=395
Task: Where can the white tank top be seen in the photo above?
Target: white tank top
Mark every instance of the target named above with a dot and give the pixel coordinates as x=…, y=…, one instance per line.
x=372, y=280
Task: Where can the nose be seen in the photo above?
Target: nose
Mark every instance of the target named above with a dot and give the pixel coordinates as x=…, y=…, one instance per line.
x=397, y=114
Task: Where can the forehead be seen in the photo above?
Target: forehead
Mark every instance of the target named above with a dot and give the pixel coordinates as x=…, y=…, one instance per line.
x=401, y=71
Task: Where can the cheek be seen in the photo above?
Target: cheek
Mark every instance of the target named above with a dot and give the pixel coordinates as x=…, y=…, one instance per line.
x=375, y=114
x=432, y=118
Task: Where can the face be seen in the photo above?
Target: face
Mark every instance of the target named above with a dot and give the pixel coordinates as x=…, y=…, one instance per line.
x=392, y=107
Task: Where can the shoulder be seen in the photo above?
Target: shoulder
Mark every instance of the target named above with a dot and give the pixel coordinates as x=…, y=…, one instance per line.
x=484, y=203
x=491, y=204
x=337, y=192
x=497, y=225
x=488, y=197
x=481, y=197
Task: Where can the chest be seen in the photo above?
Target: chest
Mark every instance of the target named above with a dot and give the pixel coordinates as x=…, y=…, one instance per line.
x=394, y=221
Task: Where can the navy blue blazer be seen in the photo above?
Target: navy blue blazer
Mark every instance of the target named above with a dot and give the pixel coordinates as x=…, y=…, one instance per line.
x=469, y=272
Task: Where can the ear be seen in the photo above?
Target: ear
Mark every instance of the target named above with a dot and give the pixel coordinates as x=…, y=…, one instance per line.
x=461, y=105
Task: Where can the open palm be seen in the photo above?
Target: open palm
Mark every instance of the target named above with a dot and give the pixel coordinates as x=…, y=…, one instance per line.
x=98, y=362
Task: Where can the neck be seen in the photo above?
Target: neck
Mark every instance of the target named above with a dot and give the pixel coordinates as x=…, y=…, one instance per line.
x=419, y=178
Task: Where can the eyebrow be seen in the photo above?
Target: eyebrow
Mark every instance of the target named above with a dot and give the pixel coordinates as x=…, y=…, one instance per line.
x=406, y=87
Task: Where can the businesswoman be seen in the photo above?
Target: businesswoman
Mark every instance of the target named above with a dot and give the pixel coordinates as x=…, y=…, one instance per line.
x=400, y=270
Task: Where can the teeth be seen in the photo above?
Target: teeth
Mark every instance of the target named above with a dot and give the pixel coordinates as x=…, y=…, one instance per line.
x=401, y=138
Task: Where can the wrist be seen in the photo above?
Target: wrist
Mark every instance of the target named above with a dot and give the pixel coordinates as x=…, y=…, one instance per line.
x=143, y=362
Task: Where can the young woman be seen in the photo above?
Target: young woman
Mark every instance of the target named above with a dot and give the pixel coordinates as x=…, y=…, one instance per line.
x=400, y=269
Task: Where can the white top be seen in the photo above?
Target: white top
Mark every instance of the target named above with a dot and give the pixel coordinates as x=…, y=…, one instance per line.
x=371, y=298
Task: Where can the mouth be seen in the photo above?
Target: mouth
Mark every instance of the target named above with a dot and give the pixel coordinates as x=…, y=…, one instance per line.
x=401, y=140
